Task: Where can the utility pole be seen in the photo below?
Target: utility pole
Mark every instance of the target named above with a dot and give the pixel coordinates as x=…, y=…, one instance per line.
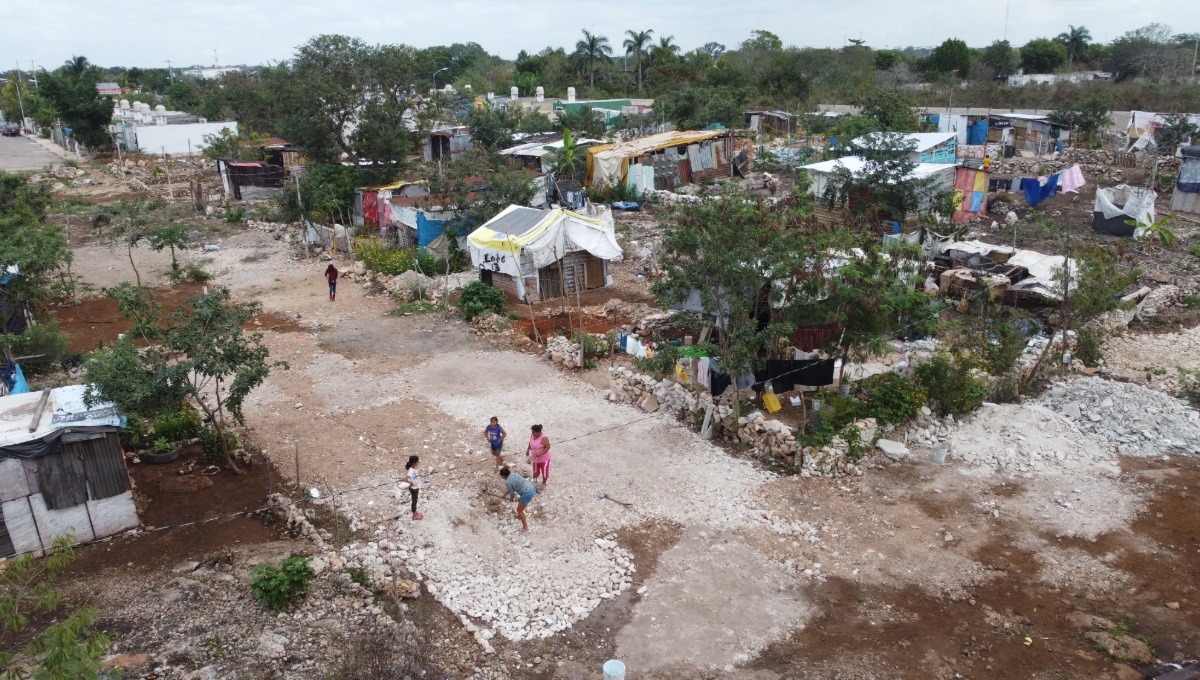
x=170, y=71
x=33, y=72
x=20, y=100
x=1195, y=51
x=1006, y=6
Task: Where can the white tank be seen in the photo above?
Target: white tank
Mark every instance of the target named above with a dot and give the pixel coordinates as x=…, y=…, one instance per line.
x=512, y=92
x=124, y=104
x=570, y=94
x=160, y=108
x=540, y=93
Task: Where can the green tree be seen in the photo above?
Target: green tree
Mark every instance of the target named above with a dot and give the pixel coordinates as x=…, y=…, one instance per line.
x=1076, y=40
x=326, y=194
x=1042, y=55
x=171, y=238
x=583, y=120
x=885, y=187
x=589, y=51
x=765, y=41
x=885, y=60
x=65, y=649
x=695, y=108
x=726, y=253
x=339, y=96
x=491, y=128
x=214, y=363
x=1001, y=58
x=1086, y=117
x=71, y=90
x=665, y=51
x=636, y=45
x=235, y=145
x=952, y=56
x=892, y=109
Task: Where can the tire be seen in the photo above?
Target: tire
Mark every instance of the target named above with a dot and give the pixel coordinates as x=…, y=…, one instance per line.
x=161, y=458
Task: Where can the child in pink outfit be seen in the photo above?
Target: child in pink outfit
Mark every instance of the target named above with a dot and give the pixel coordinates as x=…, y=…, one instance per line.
x=539, y=455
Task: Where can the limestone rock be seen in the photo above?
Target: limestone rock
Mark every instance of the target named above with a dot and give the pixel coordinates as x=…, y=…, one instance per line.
x=894, y=450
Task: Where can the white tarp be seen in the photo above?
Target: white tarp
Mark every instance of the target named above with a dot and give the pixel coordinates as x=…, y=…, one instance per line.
x=1135, y=202
x=523, y=240
x=1045, y=271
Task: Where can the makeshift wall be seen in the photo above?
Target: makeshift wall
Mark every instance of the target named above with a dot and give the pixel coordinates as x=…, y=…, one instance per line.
x=970, y=194
x=88, y=472
x=1187, y=187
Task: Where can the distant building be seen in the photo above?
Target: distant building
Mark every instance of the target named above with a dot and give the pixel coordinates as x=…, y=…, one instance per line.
x=1023, y=79
x=110, y=88
x=210, y=72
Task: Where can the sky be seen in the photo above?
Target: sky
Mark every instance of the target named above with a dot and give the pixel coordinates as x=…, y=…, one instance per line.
x=148, y=34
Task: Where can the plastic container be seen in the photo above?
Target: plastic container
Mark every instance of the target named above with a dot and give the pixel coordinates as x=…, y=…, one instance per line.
x=614, y=670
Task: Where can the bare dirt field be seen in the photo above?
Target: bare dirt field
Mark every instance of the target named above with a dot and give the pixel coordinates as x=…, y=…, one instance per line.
x=682, y=558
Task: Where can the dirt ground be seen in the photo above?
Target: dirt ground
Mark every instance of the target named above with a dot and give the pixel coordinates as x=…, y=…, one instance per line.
x=912, y=570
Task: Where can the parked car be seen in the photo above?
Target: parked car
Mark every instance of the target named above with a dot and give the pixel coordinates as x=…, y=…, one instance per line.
x=10, y=129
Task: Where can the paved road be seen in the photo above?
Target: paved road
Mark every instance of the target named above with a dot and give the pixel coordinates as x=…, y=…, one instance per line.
x=20, y=153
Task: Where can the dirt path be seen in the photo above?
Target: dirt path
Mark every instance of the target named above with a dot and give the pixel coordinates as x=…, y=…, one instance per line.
x=718, y=568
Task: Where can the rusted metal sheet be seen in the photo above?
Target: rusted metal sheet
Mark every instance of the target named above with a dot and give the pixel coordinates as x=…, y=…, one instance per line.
x=62, y=479
x=104, y=466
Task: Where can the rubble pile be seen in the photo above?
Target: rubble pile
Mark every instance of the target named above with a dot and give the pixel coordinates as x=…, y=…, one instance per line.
x=491, y=324
x=1097, y=165
x=561, y=350
x=769, y=439
x=1126, y=418
x=269, y=227
x=1020, y=438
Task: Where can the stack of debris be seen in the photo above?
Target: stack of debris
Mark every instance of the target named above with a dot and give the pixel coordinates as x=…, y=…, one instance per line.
x=561, y=350
x=1125, y=417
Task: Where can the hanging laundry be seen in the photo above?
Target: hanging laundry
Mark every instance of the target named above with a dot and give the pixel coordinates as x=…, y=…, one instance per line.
x=1072, y=179
x=1036, y=190
x=719, y=382
x=785, y=375
x=702, y=373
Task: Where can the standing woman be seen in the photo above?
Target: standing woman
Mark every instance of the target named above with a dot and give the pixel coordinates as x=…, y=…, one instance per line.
x=414, y=483
x=331, y=274
x=521, y=490
x=539, y=454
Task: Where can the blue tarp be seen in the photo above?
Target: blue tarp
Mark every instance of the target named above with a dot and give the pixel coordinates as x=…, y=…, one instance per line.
x=428, y=230
x=977, y=133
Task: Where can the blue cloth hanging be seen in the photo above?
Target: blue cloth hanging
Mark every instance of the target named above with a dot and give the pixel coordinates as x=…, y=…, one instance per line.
x=977, y=133
x=1036, y=192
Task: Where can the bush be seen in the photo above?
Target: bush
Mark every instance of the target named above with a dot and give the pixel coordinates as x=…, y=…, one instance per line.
x=478, y=298
x=1088, y=347
x=178, y=427
x=134, y=432
x=593, y=347
x=382, y=258
x=43, y=343
x=211, y=444
x=359, y=576
x=662, y=363
x=950, y=382
x=277, y=587
x=892, y=398
x=195, y=273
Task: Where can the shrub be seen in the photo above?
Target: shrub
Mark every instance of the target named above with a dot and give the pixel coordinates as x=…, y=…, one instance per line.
x=662, y=363
x=211, y=444
x=950, y=382
x=1089, y=347
x=359, y=576
x=133, y=433
x=195, y=273
x=380, y=257
x=479, y=298
x=593, y=347
x=277, y=587
x=43, y=344
x=892, y=398
x=178, y=427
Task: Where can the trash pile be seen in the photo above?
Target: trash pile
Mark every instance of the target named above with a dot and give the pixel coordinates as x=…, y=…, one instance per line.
x=1126, y=418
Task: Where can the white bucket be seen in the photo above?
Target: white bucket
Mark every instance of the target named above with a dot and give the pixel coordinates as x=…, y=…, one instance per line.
x=614, y=670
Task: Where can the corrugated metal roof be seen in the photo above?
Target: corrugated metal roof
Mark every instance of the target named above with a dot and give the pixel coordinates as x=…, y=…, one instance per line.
x=924, y=140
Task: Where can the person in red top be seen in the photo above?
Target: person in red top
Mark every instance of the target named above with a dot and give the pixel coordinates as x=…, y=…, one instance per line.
x=331, y=274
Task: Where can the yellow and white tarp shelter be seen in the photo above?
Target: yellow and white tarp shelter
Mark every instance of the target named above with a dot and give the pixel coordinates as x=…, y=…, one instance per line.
x=520, y=240
x=608, y=163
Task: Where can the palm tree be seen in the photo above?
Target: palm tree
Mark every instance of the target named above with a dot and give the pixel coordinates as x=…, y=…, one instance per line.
x=636, y=44
x=77, y=66
x=665, y=50
x=1076, y=41
x=591, y=49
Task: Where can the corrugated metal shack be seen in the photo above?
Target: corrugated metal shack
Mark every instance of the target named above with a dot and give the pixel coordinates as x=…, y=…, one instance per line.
x=61, y=470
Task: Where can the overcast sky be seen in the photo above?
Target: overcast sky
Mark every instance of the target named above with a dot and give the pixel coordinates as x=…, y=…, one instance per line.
x=147, y=34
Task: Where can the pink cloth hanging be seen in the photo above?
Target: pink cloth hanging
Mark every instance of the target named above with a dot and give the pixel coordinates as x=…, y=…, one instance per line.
x=1072, y=179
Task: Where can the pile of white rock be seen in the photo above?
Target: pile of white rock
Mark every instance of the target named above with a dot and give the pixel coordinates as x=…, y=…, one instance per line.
x=1132, y=419
x=629, y=387
x=561, y=350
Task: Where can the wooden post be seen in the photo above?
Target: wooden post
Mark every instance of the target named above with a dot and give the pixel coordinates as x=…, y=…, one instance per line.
x=297, y=450
x=167, y=166
x=37, y=411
